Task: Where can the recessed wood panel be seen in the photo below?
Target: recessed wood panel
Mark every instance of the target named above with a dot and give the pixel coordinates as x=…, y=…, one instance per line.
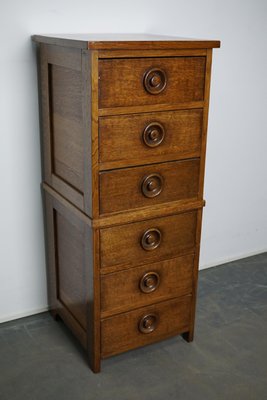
x=121, y=81
x=70, y=267
x=65, y=93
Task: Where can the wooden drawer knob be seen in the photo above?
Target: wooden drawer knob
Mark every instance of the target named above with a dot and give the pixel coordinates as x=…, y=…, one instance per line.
x=149, y=282
x=152, y=185
x=151, y=239
x=155, y=80
x=148, y=323
x=153, y=134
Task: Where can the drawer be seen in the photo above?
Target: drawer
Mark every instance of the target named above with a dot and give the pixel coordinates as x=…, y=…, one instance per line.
x=148, y=81
x=146, y=137
x=130, y=188
x=147, y=241
x=144, y=326
x=140, y=286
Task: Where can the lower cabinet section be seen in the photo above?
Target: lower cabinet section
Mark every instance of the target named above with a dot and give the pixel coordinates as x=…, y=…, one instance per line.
x=121, y=286
x=145, y=325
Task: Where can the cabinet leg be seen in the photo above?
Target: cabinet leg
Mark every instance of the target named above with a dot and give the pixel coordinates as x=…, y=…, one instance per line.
x=55, y=315
x=188, y=336
x=95, y=364
x=96, y=369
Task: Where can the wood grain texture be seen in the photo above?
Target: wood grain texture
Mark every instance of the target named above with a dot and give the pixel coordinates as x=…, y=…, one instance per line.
x=87, y=131
x=189, y=336
x=121, y=141
x=205, y=122
x=158, y=210
x=71, y=272
x=67, y=204
x=131, y=216
x=120, y=333
x=65, y=88
x=66, y=298
x=124, y=131
x=51, y=267
x=121, y=246
x=74, y=196
x=122, y=189
x=71, y=322
x=94, y=127
x=92, y=283
x=102, y=112
x=64, y=57
x=121, y=291
x=64, y=120
x=121, y=81
x=151, y=53
x=44, y=104
x=113, y=41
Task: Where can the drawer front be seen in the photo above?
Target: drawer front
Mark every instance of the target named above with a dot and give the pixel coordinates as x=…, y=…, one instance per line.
x=172, y=135
x=144, y=326
x=144, y=81
x=130, y=188
x=147, y=241
x=140, y=286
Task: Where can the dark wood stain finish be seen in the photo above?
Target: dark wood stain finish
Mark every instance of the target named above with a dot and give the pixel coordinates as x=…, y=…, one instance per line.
x=114, y=41
x=121, y=245
x=124, y=130
x=121, y=138
x=120, y=333
x=121, y=81
x=128, y=188
x=121, y=291
x=66, y=125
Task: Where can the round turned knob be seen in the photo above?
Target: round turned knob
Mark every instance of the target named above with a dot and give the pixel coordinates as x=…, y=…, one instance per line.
x=152, y=185
x=155, y=80
x=151, y=239
x=153, y=134
x=148, y=323
x=149, y=282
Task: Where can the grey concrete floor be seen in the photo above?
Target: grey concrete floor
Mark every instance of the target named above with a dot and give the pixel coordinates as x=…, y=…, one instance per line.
x=39, y=359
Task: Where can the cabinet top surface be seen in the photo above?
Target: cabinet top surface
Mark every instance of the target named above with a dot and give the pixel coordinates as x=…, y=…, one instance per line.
x=124, y=41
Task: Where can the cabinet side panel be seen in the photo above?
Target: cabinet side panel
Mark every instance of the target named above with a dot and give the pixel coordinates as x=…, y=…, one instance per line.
x=93, y=297
x=65, y=87
x=62, y=123
x=205, y=122
x=50, y=253
x=87, y=130
x=67, y=269
x=70, y=268
x=44, y=113
x=94, y=143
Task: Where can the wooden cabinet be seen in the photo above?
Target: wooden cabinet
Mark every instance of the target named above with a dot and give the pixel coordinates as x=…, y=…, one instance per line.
x=124, y=126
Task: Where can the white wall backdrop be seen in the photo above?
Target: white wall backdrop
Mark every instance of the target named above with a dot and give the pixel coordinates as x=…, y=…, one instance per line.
x=235, y=219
